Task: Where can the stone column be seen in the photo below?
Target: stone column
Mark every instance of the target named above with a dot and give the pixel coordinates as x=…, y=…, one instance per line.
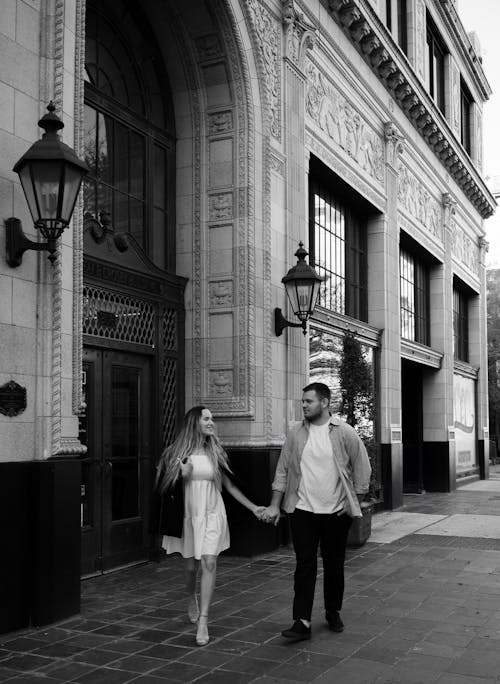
x=383, y=312
x=479, y=357
x=298, y=37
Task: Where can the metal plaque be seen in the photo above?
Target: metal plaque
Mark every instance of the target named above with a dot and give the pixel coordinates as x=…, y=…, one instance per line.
x=12, y=399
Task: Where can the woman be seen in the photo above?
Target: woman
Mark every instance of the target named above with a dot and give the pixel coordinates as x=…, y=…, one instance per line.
x=198, y=458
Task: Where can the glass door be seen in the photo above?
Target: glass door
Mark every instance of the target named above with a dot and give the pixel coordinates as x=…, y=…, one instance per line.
x=116, y=428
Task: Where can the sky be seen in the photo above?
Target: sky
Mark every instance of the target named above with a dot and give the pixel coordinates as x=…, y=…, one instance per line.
x=483, y=17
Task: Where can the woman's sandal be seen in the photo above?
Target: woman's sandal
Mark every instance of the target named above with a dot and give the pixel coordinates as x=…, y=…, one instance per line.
x=202, y=637
x=193, y=610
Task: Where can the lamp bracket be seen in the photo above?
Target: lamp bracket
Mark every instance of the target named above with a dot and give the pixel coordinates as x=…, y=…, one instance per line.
x=16, y=243
x=280, y=323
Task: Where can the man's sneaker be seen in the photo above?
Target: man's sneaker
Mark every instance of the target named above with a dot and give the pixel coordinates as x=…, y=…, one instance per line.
x=297, y=632
x=334, y=621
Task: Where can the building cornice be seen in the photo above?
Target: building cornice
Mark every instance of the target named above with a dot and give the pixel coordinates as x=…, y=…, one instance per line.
x=363, y=27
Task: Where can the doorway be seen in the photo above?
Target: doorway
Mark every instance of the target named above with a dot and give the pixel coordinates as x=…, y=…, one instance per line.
x=412, y=427
x=116, y=473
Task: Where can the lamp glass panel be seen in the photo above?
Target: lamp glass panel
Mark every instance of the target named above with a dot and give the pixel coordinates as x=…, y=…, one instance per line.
x=72, y=181
x=292, y=296
x=27, y=185
x=304, y=290
x=46, y=181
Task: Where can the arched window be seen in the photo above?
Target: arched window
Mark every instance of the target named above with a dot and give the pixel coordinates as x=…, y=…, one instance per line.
x=129, y=137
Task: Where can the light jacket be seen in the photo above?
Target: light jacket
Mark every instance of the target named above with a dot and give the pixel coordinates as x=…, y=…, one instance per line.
x=350, y=457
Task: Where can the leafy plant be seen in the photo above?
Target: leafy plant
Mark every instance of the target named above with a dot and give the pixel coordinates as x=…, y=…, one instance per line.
x=358, y=405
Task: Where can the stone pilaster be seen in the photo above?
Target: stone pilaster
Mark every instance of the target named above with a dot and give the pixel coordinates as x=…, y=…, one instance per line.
x=383, y=307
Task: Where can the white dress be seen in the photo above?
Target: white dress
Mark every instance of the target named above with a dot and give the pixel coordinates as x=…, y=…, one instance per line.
x=205, y=530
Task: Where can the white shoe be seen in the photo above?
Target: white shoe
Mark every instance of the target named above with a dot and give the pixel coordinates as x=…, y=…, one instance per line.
x=202, y=637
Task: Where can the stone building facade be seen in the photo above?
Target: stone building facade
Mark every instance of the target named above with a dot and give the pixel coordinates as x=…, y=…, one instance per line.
x=218, y=135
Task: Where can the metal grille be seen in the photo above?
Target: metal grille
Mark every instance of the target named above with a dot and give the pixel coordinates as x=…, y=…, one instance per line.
x=169, y=375
x=116, y=316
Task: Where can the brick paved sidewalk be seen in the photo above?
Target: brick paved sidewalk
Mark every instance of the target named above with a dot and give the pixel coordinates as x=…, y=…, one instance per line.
x=422, y=608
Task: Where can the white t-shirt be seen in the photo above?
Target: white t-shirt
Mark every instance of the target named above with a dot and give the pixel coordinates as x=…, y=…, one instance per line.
x=320, y=488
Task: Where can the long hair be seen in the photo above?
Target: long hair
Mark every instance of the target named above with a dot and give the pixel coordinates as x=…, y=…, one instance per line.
x=189, y=440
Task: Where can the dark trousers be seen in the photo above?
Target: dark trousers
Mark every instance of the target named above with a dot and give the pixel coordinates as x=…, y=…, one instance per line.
x=330, y=532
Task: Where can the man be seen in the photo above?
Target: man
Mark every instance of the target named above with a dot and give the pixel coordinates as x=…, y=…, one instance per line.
x=322, y=476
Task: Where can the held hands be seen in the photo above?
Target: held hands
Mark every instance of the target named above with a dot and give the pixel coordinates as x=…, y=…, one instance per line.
x=271, y=514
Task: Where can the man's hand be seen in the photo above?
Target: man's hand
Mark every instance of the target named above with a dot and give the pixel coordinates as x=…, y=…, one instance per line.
x=271, y=514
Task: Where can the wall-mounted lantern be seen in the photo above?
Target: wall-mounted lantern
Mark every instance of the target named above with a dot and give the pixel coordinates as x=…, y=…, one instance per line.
x=51, y=175
x=302, y=285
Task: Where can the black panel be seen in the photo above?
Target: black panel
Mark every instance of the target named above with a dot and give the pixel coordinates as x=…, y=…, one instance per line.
x=15, y=514
x=437, y=466
x=56, y=540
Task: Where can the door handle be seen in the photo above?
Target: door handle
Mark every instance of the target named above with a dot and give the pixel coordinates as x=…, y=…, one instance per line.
x=109, y=466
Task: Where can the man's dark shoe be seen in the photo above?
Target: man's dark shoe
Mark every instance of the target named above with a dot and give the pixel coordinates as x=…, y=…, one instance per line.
x=297, y=632
x=334, y=621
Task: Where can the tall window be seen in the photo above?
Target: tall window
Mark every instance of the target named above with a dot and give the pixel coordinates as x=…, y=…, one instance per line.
x=460, y=324
x=414, y=298
x=398, y=22
x=465, y=116
x=337, y=243
x=436, y=52
x=402, y=26
x=128, y=137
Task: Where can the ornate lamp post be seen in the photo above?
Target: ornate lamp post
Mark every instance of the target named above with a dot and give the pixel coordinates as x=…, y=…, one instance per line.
x=51, y=175
x=302, y=285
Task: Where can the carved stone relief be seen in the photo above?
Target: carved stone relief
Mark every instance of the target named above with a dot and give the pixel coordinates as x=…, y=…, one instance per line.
x=300, y=35
x=221, y=293
x=414, y=197
x=268, y=37
x=394, y=143
x=220, y=122
x=208, y=47
x=343, y=124
x=221, y=383
x=220, y=206
x=477, y=139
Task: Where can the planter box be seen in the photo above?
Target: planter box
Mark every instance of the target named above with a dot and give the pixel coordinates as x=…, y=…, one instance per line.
x=361, y=528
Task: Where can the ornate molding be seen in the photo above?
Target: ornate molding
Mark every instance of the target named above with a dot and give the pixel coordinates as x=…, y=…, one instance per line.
x=421, y=353
x=78, y=404
x=343, y=124
x=56, y=374
x=414, y=197
x=394, y=143
x=300, y=35
x=362, y=27
x=267, y=39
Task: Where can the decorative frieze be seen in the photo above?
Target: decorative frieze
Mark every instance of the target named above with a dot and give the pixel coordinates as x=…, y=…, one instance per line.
x=277, y=164
x=463, y=248
x=343, y=124
x=267, y=32
x=414, y=197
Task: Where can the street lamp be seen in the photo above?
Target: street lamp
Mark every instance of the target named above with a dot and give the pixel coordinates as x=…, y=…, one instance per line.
x=51, y=175
x=302, y=285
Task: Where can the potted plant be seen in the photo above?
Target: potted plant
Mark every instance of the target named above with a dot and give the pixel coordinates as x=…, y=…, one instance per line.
x=357, y=407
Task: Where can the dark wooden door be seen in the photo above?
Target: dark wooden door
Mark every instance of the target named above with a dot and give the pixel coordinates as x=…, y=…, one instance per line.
x=116, y=473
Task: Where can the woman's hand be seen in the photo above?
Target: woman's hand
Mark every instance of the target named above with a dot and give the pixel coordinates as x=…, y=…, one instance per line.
x=186, y=468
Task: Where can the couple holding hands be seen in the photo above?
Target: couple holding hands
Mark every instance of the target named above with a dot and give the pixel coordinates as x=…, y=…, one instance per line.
x=322, y=474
